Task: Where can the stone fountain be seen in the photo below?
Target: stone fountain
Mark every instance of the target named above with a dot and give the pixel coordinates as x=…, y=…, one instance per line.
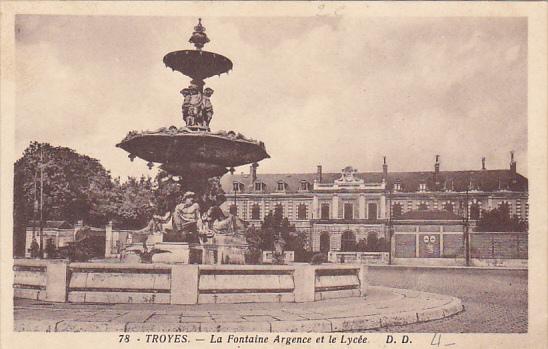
x=194, y=154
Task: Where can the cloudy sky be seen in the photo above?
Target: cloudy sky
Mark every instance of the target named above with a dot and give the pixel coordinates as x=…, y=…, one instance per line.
x=316, y=90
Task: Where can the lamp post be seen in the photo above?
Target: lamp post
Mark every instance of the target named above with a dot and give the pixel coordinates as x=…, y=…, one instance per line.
x=235, y=186
x=390, y=226
x=34, y=208
x=41, y=203
x=466, y=229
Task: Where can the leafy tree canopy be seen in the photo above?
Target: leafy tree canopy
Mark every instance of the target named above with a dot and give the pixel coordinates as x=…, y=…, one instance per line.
x=499, y=219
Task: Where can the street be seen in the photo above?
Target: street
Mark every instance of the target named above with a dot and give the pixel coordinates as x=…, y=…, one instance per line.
x=494, y=300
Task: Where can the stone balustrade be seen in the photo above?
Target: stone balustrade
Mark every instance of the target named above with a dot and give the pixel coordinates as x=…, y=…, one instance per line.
x=60, y=281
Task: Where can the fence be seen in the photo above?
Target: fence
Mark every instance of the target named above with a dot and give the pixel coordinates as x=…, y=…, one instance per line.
x=447, y=248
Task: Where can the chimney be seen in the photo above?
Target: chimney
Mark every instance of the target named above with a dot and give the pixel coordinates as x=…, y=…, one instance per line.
x=437, y=172
x=253, y=172
x=483, y=163
x=384, y=169
x=319, y=174
x=512, y=164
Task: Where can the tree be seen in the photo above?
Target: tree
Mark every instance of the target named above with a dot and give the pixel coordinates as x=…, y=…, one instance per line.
x=135, y=203
x=254, y=242
x=498, y=219
x=74, y=187
x=372, y=242
x=361, y=246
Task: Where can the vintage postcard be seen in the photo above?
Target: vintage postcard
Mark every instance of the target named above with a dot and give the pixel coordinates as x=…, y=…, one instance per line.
x=290, y=174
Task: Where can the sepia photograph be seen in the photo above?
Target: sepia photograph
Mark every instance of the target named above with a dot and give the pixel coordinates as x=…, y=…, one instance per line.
x=259, y=174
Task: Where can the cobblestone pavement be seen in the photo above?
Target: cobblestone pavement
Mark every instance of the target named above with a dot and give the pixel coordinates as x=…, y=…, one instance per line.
x=495, y=301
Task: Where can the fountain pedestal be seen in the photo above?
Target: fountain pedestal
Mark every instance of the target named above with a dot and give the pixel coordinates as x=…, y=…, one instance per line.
x=178, y=252
x=224, y=249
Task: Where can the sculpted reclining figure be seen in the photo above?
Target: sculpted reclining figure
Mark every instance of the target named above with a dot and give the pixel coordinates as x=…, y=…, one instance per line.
x=186, y=224
x=181, y=225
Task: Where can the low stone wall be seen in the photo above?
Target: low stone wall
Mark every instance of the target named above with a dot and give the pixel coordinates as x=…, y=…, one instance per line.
x=116, y=283
x=338, y=282
x=30, y=279
x=358, y=257
x=250, y=283
x=60, y=281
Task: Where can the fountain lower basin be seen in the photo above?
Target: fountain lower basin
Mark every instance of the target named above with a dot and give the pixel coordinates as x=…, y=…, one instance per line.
x=61, y=281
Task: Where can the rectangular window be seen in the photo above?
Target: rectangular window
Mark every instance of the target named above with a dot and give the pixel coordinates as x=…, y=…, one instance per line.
x=281, y=186
x=372, y=211
x=233, y=210
x=258, y=186
x=255, y=212
x=325, y=211
x=422, y=187
x=301, y=212
x=348, y=211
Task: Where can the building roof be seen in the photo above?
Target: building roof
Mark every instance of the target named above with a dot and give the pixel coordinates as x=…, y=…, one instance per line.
x=482, y=180
x=429, y=215
x=51, y=225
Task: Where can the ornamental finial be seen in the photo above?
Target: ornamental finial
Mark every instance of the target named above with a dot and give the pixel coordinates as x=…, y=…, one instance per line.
x=199, y=37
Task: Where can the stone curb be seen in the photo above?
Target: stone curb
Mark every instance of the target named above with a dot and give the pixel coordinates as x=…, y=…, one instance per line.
x=325, y=323
x=343, y=324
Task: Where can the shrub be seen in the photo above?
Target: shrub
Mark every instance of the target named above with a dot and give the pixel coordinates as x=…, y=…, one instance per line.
x=318, y=258
x=278, y=258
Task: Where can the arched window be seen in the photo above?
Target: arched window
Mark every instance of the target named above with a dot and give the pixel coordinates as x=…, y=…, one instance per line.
x=260, y=186
x=448, y=207
x=396, y=210
x=348, y=241
x=282, y=186
x=237, y=187
x=256, y=212
x=324, y=242
x=301, y=212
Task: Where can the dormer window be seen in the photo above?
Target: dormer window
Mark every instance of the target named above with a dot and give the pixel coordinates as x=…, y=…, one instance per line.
x=260, y=186
x=282, y=186
x=397, y=186
x=305, y=186
x=422, y=187
x=237, y=187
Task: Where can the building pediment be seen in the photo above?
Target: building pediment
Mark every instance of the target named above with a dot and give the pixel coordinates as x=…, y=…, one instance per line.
x=348, y=178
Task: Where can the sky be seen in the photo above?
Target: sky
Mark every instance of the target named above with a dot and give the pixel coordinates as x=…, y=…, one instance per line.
x=333, y=91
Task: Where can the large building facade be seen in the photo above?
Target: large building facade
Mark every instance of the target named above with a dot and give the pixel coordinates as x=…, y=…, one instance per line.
x=340, y=209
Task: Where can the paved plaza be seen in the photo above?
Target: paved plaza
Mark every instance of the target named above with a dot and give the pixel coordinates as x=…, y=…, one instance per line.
x=495, y=301
x=382, y=307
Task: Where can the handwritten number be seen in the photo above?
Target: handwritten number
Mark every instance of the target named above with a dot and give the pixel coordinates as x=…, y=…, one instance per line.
x=436, y=340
